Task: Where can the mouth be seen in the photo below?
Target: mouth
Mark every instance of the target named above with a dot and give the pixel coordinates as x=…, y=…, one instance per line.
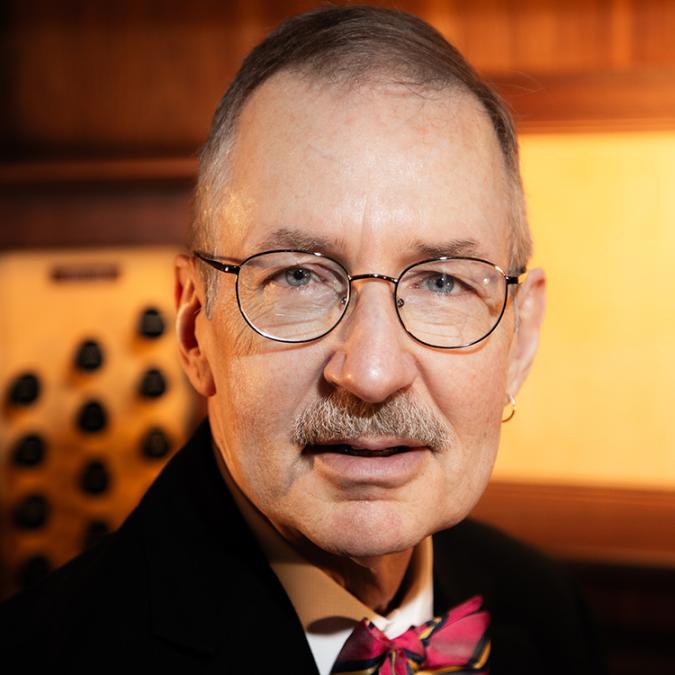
x=383, y=462
x=352, y=451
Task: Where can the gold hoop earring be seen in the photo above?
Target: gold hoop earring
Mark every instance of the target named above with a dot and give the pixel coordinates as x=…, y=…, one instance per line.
x=512, y=402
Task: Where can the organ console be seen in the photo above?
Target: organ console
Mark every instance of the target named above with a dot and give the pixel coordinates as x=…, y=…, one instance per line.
x=93, y=397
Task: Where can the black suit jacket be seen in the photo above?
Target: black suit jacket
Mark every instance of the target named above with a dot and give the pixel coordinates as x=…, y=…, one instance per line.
x=182, y=587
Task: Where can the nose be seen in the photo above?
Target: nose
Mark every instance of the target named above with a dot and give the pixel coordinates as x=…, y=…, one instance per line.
x=373, y=359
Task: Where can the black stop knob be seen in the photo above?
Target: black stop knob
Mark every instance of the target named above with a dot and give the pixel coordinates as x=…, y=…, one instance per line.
x=25, y=389
x=151, y=323
x=156, y=444
x=89, y=356
x=94, y=532
x=152, y=384
x=31, y=512
x=94, y=478
x=29, y=450
x=92, y=417
x=32, y=570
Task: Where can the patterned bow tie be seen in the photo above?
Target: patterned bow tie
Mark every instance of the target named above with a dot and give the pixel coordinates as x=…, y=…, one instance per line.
x=454, y=643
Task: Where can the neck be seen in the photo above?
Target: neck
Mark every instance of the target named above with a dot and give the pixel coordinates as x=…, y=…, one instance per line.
x=379, y=582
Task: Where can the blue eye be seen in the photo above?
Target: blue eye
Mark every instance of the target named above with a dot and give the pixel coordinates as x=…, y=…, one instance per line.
x=440, y=283
x=297, y=276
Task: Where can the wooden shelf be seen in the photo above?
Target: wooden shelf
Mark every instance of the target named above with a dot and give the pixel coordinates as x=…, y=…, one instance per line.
x=164, y=169
x=586, y=524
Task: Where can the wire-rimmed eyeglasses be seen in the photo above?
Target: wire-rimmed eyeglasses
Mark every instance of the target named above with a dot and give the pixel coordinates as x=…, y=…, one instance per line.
x=298, y=296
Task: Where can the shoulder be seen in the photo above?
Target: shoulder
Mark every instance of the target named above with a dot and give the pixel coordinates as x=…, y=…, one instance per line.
x=99, y=595
x=488, y=553
x=510, y=574
x=538, y=615
x=96, y=601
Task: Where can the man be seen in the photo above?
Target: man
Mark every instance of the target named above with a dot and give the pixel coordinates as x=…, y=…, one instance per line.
x=357, y=314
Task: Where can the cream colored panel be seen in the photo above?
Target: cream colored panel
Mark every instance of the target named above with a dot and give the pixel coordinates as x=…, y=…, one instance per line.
x=93, y=397
x=599, y=406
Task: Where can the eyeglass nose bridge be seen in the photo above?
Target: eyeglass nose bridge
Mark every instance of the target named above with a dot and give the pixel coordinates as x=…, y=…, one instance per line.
x=372, y=275
x=377, y=277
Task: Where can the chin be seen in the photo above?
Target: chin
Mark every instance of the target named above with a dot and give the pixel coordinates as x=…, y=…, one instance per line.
x=364, y=529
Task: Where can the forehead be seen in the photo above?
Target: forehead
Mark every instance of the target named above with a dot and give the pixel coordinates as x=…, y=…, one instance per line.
x=372, y=172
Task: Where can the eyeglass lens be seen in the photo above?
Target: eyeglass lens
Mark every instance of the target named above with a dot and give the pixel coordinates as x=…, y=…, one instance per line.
x=295, y=297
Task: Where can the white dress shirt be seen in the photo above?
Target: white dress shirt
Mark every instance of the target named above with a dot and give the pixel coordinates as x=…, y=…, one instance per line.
x=327, y=611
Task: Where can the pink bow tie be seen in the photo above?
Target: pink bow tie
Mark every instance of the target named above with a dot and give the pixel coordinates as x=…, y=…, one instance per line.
x=454, y=643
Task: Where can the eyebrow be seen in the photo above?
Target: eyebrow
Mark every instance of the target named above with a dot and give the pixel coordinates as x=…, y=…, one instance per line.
x=451, y=248
x=297, y=239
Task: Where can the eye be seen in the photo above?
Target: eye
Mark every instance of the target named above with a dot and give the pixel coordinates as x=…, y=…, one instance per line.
x=440, y=283
x=297, y=276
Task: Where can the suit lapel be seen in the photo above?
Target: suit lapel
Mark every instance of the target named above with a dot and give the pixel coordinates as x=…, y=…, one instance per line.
x=211, y=588
x=464, y=567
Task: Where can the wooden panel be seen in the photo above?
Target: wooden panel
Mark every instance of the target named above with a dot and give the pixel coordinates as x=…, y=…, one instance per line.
x=653, y=27
x=629, y=527
x=116, y=78
x=633, y=609
x=528, y=35
x=592, y=101
x=179, y=170
x=76, y=214
x=141, y=78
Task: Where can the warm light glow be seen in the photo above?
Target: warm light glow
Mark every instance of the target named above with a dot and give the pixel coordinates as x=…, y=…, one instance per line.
x=599, y=405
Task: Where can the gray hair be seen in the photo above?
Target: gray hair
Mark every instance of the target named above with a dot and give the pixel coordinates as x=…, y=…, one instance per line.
x=349, y=45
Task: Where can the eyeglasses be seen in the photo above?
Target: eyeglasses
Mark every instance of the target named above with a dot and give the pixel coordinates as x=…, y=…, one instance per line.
x=299, y=296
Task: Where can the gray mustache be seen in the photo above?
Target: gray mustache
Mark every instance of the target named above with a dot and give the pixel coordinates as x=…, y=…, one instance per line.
x=342, y=415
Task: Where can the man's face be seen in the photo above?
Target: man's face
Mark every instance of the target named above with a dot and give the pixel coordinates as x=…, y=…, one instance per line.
x=372, y=175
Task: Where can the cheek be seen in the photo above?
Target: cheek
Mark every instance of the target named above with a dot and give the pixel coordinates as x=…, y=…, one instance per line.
x=260, y=387
x=233, y=333
x=469, y=388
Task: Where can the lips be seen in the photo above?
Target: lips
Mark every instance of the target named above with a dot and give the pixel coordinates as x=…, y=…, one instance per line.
x=385, y=462
x=365, y=446
x=351, y=450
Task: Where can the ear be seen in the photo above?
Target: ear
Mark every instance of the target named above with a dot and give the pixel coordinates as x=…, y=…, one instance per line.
x=189, y=306
x=530, y=304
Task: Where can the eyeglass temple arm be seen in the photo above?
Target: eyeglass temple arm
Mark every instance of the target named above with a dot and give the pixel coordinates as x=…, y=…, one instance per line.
x=222, y=267
x=515, y=280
